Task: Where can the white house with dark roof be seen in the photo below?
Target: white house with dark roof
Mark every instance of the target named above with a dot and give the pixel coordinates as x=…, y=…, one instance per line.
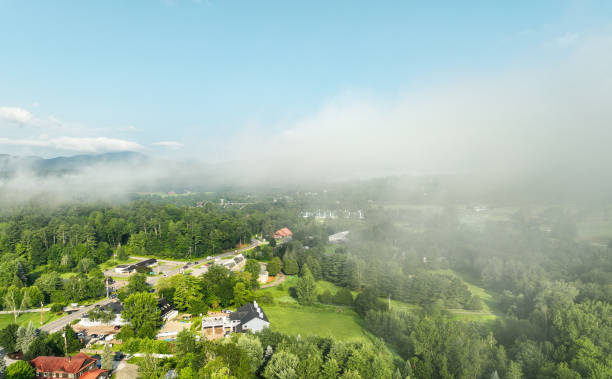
x=248, y=317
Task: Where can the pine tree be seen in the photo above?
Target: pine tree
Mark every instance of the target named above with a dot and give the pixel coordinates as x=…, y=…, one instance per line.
x=306, y=287
x=25, y=337
x=107, y=358
x=330, y=369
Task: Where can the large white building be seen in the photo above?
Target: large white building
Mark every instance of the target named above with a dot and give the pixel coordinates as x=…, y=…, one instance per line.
x=248, y=317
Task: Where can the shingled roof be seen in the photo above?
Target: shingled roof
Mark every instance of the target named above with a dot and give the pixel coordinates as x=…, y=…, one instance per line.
x=283, y=232
x=248, y=312
x=70, y=365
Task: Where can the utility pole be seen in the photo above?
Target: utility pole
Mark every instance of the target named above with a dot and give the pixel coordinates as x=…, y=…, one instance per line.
x=389, y=301
x=41, y=313
x=106, y=282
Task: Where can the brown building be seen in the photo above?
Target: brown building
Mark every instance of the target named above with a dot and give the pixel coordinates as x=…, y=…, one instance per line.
x=79, y=366
x=283, y=233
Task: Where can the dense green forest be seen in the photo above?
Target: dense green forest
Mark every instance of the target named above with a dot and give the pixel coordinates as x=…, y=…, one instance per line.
x=550, y=292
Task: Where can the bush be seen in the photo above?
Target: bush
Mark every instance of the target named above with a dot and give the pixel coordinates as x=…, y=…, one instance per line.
x=326, y=297
x=474, y=304
x=74, y=322
x=57, y=307
x=343, y=297
x=265, y=298
x=19, y=370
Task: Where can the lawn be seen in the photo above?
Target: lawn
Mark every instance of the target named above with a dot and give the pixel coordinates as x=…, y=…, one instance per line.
x=287, y=316
x=25, y=318
x=316, y=320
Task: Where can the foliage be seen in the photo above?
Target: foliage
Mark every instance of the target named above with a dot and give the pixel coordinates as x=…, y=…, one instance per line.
x=8, y=337
x=20, y=370
x=282, y=365
x=274, y=267
x=306, y=287
x=137, y=283
x=107, y=358
x=367, y=301
x=141, y=310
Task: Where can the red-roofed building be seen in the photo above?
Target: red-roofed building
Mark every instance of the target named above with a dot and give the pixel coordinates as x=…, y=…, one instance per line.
x=78, y=366
x=283, y=233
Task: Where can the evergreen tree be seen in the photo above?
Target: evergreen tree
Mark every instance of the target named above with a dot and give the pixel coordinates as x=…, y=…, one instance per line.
x=282, y=365
x=330, y=369
x=306, y=287
x=107, y=358
x=290, y=266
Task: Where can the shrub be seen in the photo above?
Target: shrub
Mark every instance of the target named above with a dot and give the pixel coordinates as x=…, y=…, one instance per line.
x=57, y=307
x=326, y=297
x=343, y=297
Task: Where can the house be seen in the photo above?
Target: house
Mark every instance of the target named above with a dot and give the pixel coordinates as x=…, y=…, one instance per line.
x=236, y=263
x=340, y=237
x=80, y=366
x=263, y=275
x=248, y=317
x=283, y=233
x=251, y=317
x=167, y=310
x=115, y=307
x=131, y=268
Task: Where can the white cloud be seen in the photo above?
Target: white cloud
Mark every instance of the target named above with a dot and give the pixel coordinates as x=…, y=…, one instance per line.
x=168, y=144
x=129, y=128
x=79, y=144
x=551, y=118
x=567, y=40
x=14, y=114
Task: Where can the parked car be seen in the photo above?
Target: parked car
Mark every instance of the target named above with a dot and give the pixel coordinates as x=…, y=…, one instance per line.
x=119, y=356
x=117, y=327
x=208, y=258
x=165, y=275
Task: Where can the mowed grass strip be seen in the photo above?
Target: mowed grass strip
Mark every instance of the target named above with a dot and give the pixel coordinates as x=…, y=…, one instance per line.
x=25, y=318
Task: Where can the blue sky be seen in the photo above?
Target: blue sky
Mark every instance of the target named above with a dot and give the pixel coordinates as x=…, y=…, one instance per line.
x=93, y=76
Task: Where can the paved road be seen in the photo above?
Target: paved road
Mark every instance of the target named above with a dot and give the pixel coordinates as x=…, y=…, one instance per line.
x=58, y=324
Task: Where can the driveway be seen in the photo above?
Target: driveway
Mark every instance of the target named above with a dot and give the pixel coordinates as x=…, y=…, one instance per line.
x=126, y=370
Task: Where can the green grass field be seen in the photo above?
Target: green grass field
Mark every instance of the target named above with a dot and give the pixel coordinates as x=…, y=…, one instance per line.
x=25, y=318
x=287, y=316
x=316, y=320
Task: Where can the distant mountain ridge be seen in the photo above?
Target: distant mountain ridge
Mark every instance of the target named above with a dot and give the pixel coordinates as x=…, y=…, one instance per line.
x=10, y=164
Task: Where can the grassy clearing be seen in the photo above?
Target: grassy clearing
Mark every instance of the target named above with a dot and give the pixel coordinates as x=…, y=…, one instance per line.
x=287, y=316
x=316, y=320
x=489, y=301
x=25, y=318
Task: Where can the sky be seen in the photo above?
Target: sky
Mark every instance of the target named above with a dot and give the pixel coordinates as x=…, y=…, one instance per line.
x=385, y=86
